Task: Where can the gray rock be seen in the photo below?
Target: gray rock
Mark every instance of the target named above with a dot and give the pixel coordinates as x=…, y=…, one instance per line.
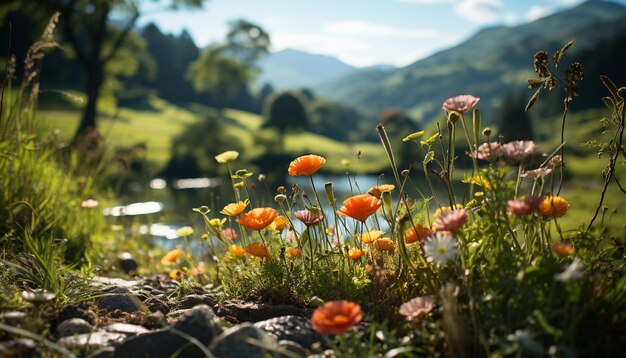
x=155, y=321
x=234, y=342
x=292, y=328
x=75, y=311
x=112, y=281
x=292, y=347
x=155, y=305
x=119, y=298
x=125, y=328
x=241, y=311
x=200, y=323
x=21, y=347
x=106, y=352
x=12, y=317
x=193, y=300
x=97, y=339
x=127, y=263
x=73, y=326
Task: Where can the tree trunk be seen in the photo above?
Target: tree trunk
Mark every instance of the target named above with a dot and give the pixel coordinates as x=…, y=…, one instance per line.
x=92, y=89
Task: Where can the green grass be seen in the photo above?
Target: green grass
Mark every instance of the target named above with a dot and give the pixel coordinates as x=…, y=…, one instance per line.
x=157, y=126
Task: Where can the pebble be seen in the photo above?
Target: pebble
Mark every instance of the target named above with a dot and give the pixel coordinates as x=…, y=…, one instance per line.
x=97, y=339
x=126, y=328
x=72, y=326
x=292, y=328
x=233, y=342
x=118, y=298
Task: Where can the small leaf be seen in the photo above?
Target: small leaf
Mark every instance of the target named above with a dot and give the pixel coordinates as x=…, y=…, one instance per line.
x=610, y=86
x=558, y=56
x=430, y=140
x=532, y=100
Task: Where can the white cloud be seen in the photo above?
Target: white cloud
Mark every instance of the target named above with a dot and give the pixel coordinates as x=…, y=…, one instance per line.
x=536, y=12
x=480, y=11
x=365, y=28
x=427, y=2
x=566, y=2
x=317, y=42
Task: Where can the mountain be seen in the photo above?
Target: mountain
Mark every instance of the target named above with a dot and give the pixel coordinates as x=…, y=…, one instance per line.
x=492, y=63
x=289, y=68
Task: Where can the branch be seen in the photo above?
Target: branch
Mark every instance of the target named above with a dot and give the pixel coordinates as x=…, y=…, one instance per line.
x=120, y=39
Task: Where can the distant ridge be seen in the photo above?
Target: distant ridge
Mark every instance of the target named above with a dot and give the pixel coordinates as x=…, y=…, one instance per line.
x=493, y=62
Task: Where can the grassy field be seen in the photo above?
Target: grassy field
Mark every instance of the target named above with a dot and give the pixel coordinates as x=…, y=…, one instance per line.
x=157, y=125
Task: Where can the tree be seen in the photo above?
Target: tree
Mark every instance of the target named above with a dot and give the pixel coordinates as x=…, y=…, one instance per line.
x=224, y=70
x=285, y=111
x=95, y=42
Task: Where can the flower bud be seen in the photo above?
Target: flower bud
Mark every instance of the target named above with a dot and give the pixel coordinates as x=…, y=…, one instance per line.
x=453, y=116
x=280, y=198
x=487, y=132
x=329, y=193
x=262, y=178
x=281, y=189
x=405, y=173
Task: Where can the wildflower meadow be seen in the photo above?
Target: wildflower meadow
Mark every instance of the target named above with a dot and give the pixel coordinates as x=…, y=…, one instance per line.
x=465, y=244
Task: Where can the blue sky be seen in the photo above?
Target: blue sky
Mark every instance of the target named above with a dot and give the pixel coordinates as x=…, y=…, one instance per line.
x=358, y=32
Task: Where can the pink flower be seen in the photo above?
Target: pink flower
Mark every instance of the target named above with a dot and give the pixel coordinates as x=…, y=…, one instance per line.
x=519, y=150
x=460, y=103
x=230, y=234
x=489, y=151
x=524, y=206
x=308, y=217
x=536, y=173
x=417, y=307
x=451, y=220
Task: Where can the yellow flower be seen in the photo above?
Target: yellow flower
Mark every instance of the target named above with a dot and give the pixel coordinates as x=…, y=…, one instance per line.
x=445, y=209
x=478, y=180
x=171, y=257
x=235, y=209
x=371, y=236
x=279, y=223
x=205, y=236
x=176, y=274
x=236, y=250
x=354, y=253
x=378, y=190
x=554, y=206
x=227, y=156
x=413, y=136
x=217, y=222
x=184, y=231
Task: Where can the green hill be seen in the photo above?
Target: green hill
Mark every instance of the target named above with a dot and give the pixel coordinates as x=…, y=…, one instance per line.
x=490, y=64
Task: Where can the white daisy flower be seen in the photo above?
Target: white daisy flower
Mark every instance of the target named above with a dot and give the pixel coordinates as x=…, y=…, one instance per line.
x=572, y=272
x=440, y=249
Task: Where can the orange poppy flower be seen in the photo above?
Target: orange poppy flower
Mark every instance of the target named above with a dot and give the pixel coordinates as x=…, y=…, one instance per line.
x=416, y=233
x=377, y=190
x=371, y=236
x=257, y=249
x=384, y=245
x=279, y=223
x=360, y=207
x=176, y=274
x=293, y=252
x=257, y=219
x=171, y=257
x=306, y=165
x=562, y=250
x=553, y=206
x=354, y=253
x=234, y=209
x=236, y=250
x=336, y=317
